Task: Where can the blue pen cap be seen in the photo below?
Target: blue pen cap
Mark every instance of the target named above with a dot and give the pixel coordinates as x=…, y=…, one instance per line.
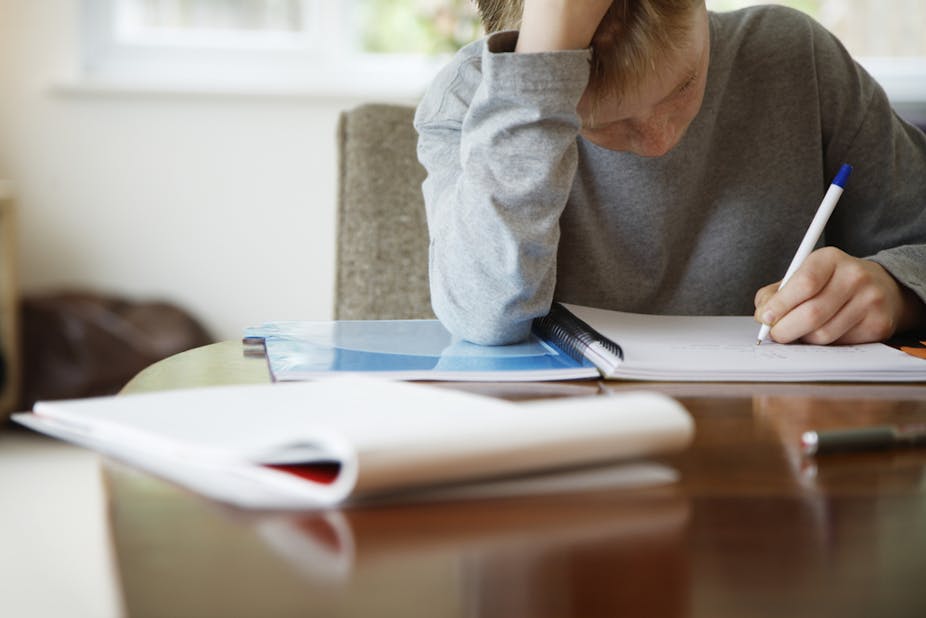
x=843, y=175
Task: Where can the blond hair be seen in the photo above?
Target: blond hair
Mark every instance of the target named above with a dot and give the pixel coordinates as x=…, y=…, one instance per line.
x=631, y=41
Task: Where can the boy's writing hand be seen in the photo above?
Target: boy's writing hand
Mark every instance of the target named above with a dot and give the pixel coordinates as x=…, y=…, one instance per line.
x=836, y=298
x=551, y=25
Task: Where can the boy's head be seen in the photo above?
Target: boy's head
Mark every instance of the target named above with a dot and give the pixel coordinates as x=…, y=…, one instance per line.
x=639, y=51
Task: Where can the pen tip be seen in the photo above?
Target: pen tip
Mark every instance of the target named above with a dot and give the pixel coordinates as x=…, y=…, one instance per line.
x=758, y=342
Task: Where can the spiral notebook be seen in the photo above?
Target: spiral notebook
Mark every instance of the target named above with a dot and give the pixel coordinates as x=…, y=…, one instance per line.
x=574, y=342
x=633, y=346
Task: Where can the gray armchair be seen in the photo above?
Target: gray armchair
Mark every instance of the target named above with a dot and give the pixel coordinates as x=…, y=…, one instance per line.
x=382, y=242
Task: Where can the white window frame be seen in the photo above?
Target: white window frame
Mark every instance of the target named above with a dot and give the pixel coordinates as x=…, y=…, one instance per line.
x=318, y=61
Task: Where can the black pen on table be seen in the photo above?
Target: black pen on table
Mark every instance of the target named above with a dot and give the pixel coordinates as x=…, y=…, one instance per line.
x=876, y=437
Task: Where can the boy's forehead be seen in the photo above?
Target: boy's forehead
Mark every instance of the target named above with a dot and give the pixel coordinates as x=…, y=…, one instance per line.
x=672, y=72
x=646, y=95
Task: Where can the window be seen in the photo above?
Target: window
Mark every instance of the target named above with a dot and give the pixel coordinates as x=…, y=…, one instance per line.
x=393, y=47
x=415, y=26
x=337, y=46
x=269, y=23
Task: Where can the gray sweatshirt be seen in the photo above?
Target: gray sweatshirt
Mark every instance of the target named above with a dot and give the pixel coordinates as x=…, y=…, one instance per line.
x=522, y=210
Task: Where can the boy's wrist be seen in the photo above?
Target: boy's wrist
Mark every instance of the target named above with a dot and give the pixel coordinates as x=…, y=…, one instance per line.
x=557, y=25
x=539, y=38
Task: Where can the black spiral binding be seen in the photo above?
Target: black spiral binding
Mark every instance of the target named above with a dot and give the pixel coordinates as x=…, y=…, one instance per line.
x=570, y=334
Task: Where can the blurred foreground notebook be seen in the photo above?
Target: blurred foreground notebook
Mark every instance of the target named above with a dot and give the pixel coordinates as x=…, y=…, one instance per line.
x=576, y=342
x=316, y=444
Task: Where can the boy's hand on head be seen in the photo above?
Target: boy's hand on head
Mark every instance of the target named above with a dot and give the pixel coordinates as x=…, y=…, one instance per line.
x=552, y=25
x=836, y=298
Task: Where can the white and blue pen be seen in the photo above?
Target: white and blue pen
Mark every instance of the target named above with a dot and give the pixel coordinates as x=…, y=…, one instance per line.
x=813, y=232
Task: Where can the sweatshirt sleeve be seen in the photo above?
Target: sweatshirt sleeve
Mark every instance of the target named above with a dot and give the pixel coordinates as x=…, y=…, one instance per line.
x=497, y=137
x=900, y=234
x=882, y=214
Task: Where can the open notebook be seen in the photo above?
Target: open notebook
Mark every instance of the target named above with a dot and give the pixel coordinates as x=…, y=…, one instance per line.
x=634, y=346
x=316, y=444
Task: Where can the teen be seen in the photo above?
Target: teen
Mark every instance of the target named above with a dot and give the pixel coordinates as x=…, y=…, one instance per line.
x=645, y=155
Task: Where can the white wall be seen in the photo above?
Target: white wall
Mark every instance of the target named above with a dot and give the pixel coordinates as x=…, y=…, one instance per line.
x=224, y=205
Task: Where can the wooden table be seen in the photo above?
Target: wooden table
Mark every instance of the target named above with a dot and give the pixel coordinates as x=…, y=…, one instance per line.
x=750, y=528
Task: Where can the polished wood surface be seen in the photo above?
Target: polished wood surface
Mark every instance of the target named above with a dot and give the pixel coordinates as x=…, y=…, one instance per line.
x=749, y=527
